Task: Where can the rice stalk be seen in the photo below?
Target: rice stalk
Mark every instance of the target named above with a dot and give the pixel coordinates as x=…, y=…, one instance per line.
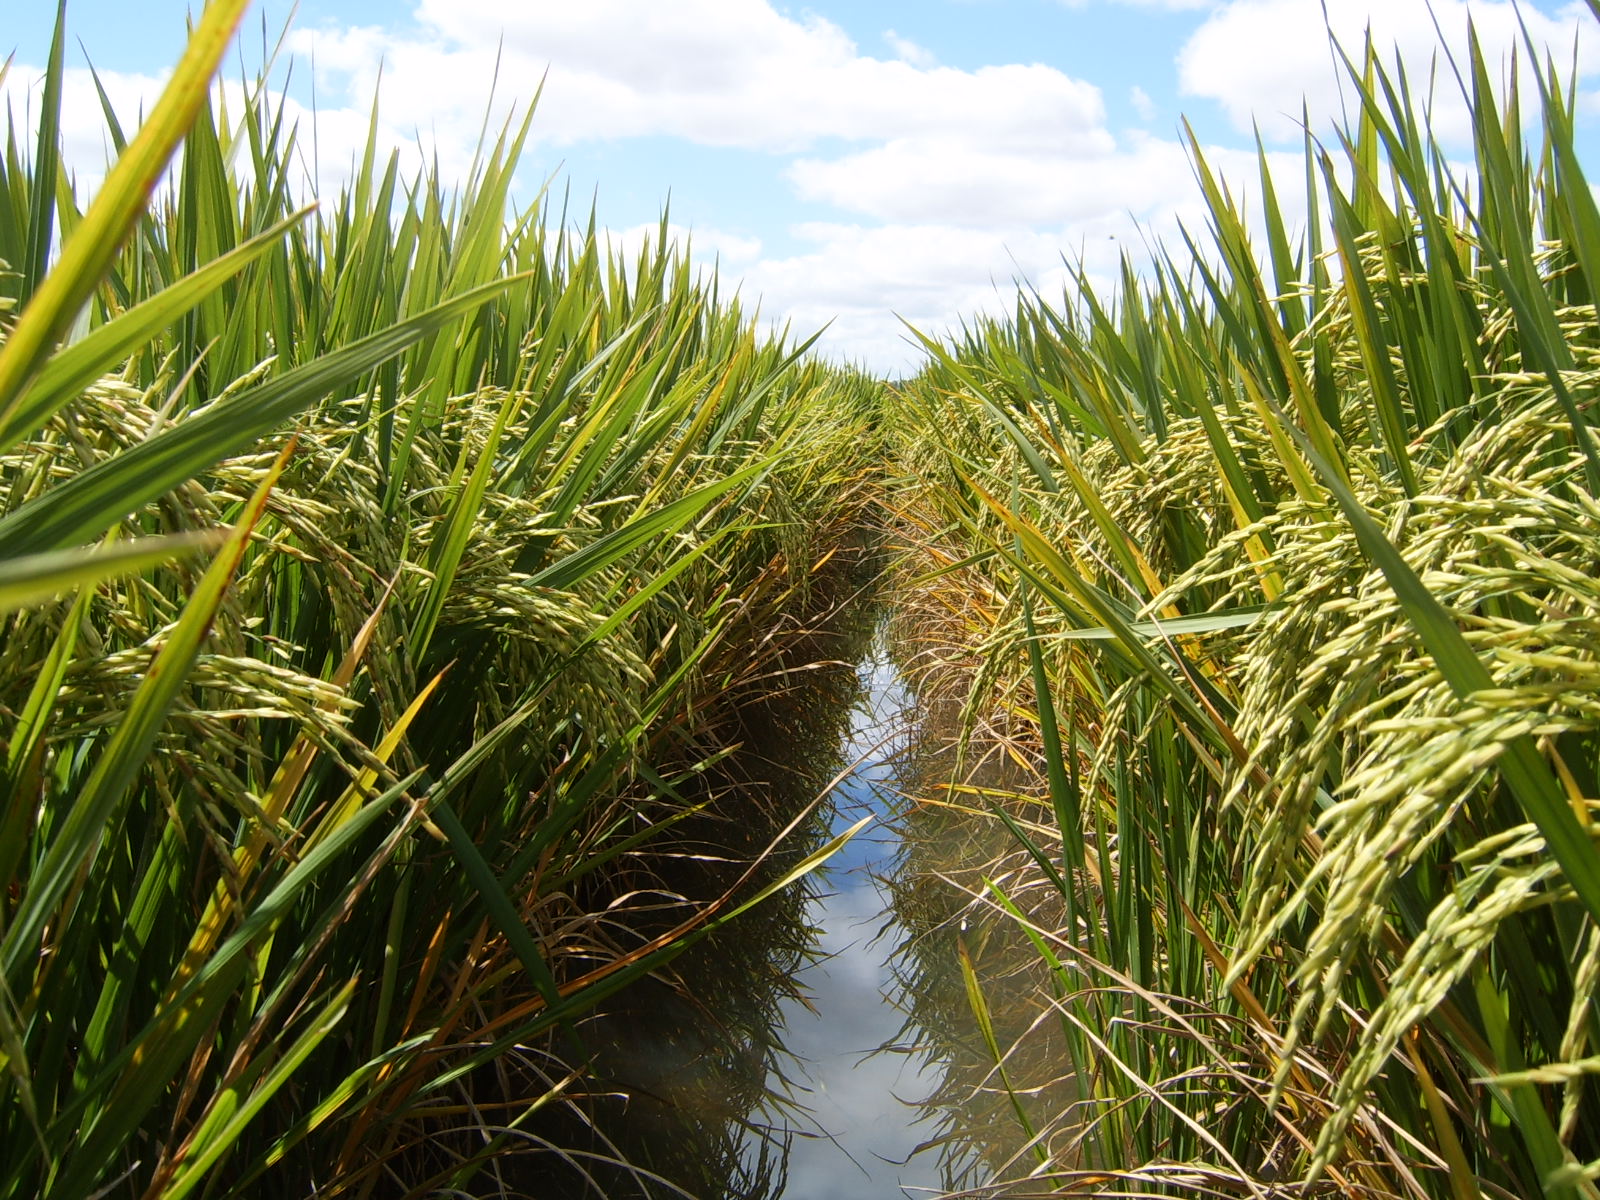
x=307, y=853
x=1279, y=600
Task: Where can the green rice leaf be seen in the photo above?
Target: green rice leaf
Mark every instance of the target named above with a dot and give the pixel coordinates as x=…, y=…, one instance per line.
x=76, y=844
x=650, y=526
x=31, y=578
x=46, y=162
x=91, y=502
x=103, y=350
x=122, y=196
x=1171, y=627
x=217, y=1137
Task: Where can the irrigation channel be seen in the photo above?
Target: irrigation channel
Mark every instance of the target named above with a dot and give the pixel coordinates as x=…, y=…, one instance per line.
x=845, y=1033
x=772, y=1061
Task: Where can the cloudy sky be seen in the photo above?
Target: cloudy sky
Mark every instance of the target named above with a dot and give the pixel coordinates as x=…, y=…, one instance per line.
x=849, y=162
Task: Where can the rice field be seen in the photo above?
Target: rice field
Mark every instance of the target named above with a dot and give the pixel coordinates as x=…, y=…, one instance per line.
x=379, y=583
x=423, y=626
x=1264, y=588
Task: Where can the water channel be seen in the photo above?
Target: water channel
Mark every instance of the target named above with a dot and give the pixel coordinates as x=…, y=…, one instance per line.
x=772, y=1061
x=858, y=1137
x=769, y=1063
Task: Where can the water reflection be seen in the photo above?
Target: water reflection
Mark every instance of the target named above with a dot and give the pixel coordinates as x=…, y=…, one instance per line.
x=858, y=1137
x=671, y=1096
x=764, y=1063
x=954, y=850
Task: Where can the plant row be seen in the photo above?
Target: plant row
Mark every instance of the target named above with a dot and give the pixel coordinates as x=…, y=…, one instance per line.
x=371, y=577
x=1269, y=576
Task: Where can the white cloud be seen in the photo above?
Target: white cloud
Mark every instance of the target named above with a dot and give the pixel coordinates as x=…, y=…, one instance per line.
x=949, y=248
x=953, y=181
x=1170, y=5
x=724, y=72
x=1142, y=104
x=1258, y=58
x=866, y=278
x=86, y=144
x=962, y=181
x=961, y=164
x=908, y=51
x=729, y=250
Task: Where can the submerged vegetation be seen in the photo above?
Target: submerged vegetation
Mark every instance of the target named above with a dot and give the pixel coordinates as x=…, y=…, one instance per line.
x=1268, y=585
x=399, y=596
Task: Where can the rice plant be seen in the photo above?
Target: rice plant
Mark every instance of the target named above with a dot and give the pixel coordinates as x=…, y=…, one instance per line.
x=297, y=843
x=1274, y=571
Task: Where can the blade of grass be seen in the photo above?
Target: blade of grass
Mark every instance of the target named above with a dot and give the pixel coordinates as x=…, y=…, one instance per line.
x=90, y=502
x=76, y=844
x=32, y=578
x=116, y=207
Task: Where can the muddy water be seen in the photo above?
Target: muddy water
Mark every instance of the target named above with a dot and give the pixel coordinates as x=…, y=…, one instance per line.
x=857, y=1139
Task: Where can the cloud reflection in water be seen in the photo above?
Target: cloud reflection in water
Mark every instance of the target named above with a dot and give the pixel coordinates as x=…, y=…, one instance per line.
x=856, y=1095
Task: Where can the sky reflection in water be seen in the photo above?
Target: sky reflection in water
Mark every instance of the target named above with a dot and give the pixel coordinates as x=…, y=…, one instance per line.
x=856, y=1096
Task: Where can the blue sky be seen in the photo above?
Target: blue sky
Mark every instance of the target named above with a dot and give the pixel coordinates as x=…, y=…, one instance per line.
x=852, y=162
